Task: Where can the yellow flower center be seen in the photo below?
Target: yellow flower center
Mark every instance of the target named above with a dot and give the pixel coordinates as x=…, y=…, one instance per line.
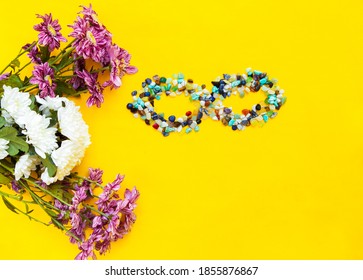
x=91, y=38
x=52, y=30
x=48, y=79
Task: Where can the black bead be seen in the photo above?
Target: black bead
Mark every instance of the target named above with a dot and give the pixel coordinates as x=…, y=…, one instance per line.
x=258, y=107
x=234, y=127
x=199, y=121
x=215, y=83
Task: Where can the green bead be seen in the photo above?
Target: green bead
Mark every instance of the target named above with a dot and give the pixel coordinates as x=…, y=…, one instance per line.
x=162, y=80
x=283, y=100
x=175, y=88
x=180, y=76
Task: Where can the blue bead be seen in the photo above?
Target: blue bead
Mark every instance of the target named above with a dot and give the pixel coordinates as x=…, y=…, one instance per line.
x=143, y=84
x=134, y=93
x=165, y=133
x=172, y=118
x=234, y=127
x=147, y=94
x=129, y=106
x=148, y=81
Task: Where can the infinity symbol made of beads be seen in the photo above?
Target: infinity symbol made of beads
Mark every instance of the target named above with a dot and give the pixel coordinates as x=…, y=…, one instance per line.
x=210, y=103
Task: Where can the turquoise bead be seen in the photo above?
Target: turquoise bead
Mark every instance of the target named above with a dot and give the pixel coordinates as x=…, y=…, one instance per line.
x=158, y=97
x=195, y=96
x=265, y=118
x=140, y=102
x=257, y=72
x=196, y=128
x=188, y=130
x=180, y=76
x=235, y=83
x=231, y=122
x=214, y=89
x=263, y=81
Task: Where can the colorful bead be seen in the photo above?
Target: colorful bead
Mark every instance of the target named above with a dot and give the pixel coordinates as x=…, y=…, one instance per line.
x=209, y=103
x=153, y=89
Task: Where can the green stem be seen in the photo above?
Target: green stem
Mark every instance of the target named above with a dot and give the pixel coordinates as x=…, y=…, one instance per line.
x=96, y=210
x=61, y=54
x=19, y=55
x=17, y=197
x=38, y=199
x=22, y=68
x=45, y=191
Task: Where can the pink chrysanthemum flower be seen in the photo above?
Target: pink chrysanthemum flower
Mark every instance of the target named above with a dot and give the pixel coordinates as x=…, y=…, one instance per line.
x=33, y=53
x=49, y=32
x=43, y=76
x=92, y=38
x=4, y=76
x=93, y=86
x=120, y=65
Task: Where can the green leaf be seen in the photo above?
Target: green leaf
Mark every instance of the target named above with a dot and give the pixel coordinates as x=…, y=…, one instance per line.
x=10, y=206
x=48, y=163
x=50, y=212
x=15, y=143
x=65, y=89
x=8, y=133
x=33, y=104
x=2, y=122
x=12, y=150
x=57, y=224
x=44, y=53
x=15, y=63
x=14, y=81
x=4, y=180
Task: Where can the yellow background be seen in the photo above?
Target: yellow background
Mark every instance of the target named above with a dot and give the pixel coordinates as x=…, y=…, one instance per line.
x=291, y=190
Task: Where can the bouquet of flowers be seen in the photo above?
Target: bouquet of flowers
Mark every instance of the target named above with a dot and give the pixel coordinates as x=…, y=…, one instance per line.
x=43, y=135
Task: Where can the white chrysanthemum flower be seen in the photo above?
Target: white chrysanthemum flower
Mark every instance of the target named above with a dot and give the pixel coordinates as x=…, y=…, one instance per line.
x=39, y=134
x=16, y=104
x=3, y=148
x=50, y=103
x=25, y=165
x=72, y=125
x=66, y=157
